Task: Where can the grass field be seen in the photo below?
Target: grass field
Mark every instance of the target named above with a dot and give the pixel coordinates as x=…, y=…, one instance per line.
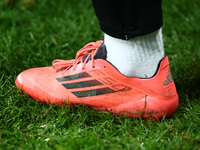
x=33, y=34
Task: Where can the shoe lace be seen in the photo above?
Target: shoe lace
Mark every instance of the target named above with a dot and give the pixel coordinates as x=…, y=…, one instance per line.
x=88, y=51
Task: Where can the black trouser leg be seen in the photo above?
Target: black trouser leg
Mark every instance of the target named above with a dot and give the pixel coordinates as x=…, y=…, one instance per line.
x=127, y=19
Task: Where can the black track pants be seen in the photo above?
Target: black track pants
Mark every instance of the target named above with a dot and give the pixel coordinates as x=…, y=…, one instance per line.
x=127, y=19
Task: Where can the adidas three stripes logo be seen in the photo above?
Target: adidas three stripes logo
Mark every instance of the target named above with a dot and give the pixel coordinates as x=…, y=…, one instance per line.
x=84, y=84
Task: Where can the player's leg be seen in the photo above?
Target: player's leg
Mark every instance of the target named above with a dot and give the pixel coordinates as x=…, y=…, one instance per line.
x=106, y=76
x=133, y=35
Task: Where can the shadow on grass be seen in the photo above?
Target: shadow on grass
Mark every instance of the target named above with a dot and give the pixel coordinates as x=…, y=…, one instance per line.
x=186, y=76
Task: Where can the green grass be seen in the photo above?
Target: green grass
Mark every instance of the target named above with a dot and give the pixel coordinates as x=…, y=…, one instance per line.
x=34, y=34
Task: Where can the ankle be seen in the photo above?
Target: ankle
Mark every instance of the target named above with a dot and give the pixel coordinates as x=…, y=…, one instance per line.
x=136, y=57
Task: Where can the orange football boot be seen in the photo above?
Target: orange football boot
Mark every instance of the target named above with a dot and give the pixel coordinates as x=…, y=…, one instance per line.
x=91, y=80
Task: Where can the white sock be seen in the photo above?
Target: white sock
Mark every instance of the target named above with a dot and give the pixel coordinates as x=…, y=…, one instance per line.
x=137, y=57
